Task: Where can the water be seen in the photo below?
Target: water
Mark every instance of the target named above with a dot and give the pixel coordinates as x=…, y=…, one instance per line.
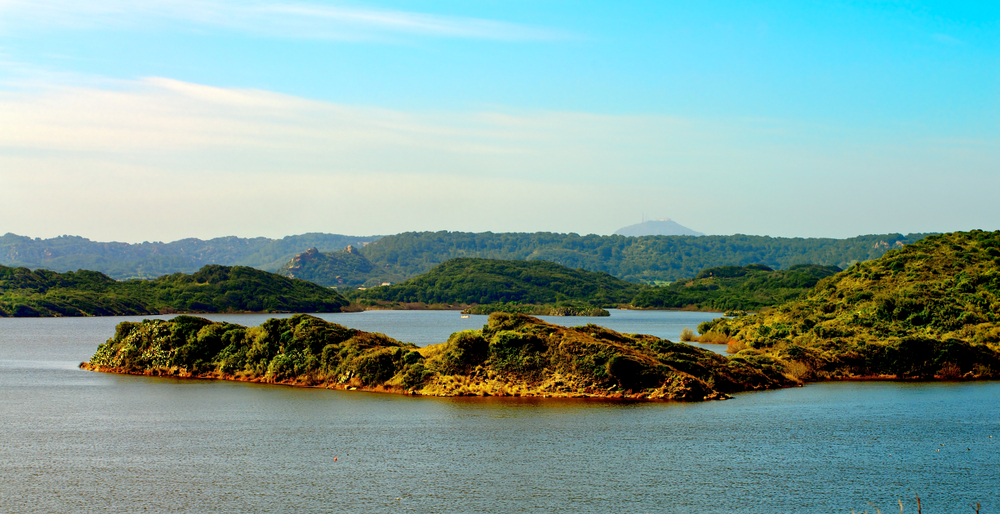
x=72, y=440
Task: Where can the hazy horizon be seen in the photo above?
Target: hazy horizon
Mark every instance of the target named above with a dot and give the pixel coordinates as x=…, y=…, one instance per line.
x=349, y=234
x=205, y=118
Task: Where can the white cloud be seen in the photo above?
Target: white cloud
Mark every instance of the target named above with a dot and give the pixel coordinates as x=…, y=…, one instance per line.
x=162, y=159
x=287, y=20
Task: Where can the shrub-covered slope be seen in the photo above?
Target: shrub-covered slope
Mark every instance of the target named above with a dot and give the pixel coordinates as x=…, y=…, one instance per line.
x=344, y=268
x=929, y=309
x=27, y=293
x=512, y=355
x=214, y=288
x=483, y=281
x=741, y=288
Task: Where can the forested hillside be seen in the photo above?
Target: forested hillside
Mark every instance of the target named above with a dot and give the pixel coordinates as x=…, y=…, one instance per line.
x=729, y=288
x=153, y=259
x=26, y=293
x=646, y=259
x=482, y=281
x=333, y=269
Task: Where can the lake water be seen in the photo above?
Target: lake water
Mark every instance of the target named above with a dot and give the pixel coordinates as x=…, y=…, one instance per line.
x=76, y=441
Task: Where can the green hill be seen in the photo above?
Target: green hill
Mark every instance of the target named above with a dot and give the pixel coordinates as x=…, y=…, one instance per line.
x=735, y=288
x=646, y=259
x=484, y=281
x=214, y=288
x=334, y=269
x=929, y=309
x=513, y=355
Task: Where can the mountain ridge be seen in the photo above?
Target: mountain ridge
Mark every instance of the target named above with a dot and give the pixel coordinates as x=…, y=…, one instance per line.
x=658, y=227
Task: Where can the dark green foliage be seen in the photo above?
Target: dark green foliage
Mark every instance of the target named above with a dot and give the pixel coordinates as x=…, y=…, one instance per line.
x=732, y=271
x=462, y=353
x=484, y=281
x=567, y=308
x=735, y=288
x=637, y=259
x=299, y=348
x=631, y=373
x=212, y=289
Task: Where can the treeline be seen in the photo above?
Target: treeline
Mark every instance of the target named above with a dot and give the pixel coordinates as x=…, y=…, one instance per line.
x=735, y=288
x=154, y=259
x=485, y=281
x=25, y=293
x=567, y=308
x=649, y=259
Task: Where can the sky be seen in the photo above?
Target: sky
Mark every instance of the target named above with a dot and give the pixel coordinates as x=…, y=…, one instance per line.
x=160, y=120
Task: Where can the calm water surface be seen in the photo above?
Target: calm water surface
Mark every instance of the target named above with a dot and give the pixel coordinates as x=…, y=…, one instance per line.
x=77, y=441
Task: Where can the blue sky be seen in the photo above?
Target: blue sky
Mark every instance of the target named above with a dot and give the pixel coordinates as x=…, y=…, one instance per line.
x=167, y=119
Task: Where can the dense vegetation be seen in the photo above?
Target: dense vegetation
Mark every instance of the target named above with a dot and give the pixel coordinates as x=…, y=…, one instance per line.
x=334, y=269
x=149, y=260
x=648, y=259
x=483, y=281
x=24, y=292
x=735, y=288
x=567, y=308
x=512, y=355
x=929, y=309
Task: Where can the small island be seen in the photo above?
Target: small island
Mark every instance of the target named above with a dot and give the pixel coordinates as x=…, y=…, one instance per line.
x=513, y=355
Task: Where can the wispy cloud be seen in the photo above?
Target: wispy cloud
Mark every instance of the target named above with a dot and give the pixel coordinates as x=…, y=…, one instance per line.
x=190, y=159
x=274, y=19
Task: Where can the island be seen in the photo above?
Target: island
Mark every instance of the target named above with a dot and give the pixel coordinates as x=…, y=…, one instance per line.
x=512, y=355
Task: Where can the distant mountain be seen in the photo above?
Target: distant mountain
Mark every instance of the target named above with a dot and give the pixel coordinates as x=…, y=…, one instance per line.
x=150, y=260
x=660, y=227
